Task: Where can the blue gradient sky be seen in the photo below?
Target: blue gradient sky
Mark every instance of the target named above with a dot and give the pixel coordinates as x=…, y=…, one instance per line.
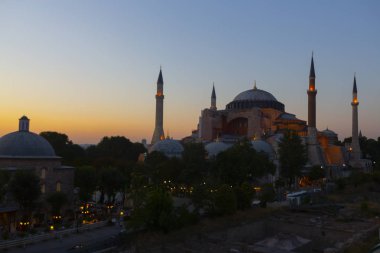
x=89, y=68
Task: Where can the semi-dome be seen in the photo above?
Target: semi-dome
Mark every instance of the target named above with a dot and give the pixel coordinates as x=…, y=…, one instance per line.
x=214, y=148
x=255, y=98
x=169, y=147
x=24, y=143
x=263, y=146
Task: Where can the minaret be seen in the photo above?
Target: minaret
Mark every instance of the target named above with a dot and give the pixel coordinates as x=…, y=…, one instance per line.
x=213, y=99
x=312, y=143
x=311, y=92
x=355, y=137
x=158, y=129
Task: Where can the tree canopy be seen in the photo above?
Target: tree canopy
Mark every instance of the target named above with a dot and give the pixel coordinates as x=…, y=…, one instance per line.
x=25, y=188
x=293, y=156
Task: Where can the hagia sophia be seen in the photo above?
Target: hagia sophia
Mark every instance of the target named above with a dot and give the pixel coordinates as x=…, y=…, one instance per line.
x=257, y=115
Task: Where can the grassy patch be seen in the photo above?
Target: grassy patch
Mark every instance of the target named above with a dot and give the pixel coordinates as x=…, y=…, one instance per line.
x=364, y=246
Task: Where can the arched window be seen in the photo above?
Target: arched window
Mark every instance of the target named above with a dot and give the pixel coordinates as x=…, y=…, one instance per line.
x=43, y=173
x=58, y=186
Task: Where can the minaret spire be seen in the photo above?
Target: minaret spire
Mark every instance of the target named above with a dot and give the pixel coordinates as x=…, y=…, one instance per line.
x=213, y=98
x=313, y=154
x=312, y=92
x=356, y=153
x=312, y=71
x=159, y=130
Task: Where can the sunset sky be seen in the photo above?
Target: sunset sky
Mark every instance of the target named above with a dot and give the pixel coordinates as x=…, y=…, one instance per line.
x=89, y=68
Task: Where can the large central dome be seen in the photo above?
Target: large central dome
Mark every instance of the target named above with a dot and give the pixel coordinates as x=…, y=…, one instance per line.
x=255, y=95
x=255, y=98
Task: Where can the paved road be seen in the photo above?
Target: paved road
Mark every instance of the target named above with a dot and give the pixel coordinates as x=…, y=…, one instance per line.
x=97, y=237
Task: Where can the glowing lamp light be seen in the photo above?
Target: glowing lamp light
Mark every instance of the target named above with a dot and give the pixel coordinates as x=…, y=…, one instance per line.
x=51, y=227
x=121, y=213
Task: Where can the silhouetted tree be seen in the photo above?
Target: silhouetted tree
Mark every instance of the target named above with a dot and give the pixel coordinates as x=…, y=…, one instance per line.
x=110, y=181
x=316, y=173
x=293, y=156
x=157, y=212
x=114, y=150
x=194, y=163
x=86, y=179
x=25, y=189
x=241, y=163
x=72, y=154
x=57, y=200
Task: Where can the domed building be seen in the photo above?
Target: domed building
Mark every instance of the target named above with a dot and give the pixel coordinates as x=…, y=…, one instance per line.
x=264, y=147
x=214, y=148
x=169, y=147
x=25, y=150
x=252, y=113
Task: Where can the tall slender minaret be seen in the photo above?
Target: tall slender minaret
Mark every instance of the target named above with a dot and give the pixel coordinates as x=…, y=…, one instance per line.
x=355, y=137
x=311, y=92
x=312, y=143
x=213, y=99
x=159, y=129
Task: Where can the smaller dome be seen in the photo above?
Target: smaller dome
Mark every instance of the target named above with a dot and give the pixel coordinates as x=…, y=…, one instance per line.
x=169, y=147
x=25, y=144
x=214, y=148
x=263, y=146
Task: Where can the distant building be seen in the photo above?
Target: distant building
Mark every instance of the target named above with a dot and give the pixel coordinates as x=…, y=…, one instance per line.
x=25, y=150
x=257, y=115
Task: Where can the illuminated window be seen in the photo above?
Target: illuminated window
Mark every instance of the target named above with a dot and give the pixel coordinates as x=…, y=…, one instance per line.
x=58, y=186
x=43, y=188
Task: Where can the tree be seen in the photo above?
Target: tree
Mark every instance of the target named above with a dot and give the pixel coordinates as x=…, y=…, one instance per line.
x=111, y=180
x=194, y=163
x=72, y=154
x=241, y=163
x=56, y=201
x=157, y=213
x=244, y=195
x=267, y=194
x=316, y=173
x=25, y=189
x=85, y=178
x=223, y=201
x=293, y=156
x=114, y=150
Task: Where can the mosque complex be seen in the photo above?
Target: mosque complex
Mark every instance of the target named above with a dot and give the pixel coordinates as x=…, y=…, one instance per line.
x=257, y=115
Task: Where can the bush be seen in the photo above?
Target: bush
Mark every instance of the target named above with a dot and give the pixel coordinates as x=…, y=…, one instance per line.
x=341, y=184
x=157, y=212
x=223, y=201
x=267, y=195
x=184, y=217
x=244, y=195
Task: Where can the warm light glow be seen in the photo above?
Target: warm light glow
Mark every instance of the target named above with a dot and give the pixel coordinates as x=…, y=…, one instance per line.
x=159, y=94
x=311, y=88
